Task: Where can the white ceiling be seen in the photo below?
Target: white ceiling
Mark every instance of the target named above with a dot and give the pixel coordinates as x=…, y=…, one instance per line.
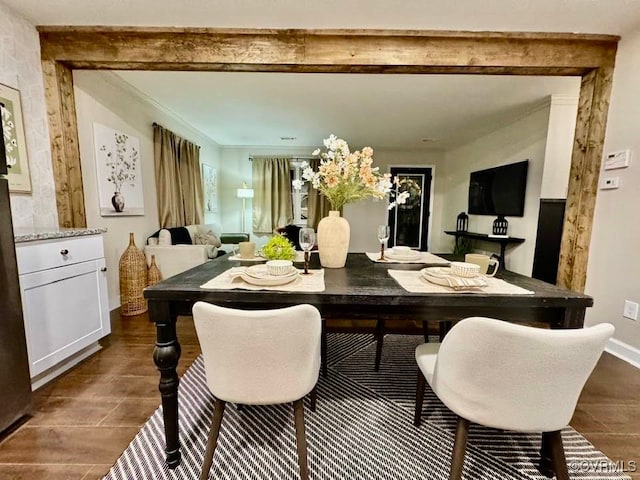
x=386, y=111
x=584, y=16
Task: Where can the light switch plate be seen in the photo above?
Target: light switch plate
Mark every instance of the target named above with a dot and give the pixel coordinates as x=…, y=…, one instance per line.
x=630, y=310
x=607, y=183
x=617, y=159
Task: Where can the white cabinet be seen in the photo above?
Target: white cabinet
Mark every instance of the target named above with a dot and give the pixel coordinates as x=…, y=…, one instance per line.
x=64, y=297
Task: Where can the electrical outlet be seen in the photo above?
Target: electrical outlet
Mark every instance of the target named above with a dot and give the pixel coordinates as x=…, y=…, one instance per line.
x=630, y=310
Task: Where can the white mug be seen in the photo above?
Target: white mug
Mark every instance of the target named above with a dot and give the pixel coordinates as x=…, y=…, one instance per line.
x=245, y=249
x=484, y=261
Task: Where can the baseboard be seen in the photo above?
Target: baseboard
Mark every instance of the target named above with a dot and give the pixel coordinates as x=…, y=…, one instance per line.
x=48, y=375
x=624, y=352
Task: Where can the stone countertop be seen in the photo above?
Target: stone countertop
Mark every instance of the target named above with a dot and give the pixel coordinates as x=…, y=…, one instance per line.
x=21, y=235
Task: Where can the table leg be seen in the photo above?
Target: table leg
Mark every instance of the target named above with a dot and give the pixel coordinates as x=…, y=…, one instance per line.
x=573, y=317
x=166, y=356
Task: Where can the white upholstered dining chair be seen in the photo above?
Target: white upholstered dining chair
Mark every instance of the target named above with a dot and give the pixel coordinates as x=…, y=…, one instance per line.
x=259, y=357
x=510, y=377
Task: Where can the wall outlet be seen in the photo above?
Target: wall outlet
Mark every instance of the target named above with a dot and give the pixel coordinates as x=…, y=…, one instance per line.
x=630, y=310
x=607, y=183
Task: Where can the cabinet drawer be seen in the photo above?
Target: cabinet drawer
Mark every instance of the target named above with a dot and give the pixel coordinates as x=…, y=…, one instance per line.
x=36, y=256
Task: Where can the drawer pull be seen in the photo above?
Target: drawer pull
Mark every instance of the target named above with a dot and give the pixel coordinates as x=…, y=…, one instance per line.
x=64, y=252
x=103, y=269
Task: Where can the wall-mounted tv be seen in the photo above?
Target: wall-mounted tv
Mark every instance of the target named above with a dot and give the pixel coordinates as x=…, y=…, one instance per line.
x=499, y=190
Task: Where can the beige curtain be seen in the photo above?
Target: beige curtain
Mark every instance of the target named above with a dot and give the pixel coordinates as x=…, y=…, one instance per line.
x=178, y=179
x=272, y=206
x=318, y=205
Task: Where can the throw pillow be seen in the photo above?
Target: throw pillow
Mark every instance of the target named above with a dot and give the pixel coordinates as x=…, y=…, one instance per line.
x=207, y=238
x=164, y=237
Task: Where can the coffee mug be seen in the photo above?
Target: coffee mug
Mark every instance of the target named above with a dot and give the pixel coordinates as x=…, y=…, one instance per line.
x=246, y=249
x=484, y=261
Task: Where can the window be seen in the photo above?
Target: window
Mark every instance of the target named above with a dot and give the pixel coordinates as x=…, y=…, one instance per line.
x=299, y=198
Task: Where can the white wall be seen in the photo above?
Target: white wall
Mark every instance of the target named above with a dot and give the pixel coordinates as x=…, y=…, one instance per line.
x=557, y=155
x=103, y=98
x=613, y=274
x=20, y=69
x=522, y=139
x=366, y=215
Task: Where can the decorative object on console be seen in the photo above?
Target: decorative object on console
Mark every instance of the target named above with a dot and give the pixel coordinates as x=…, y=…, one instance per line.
x=153, y=274
x=462, y=223
x=244, y=193
x=500, y=225
x=15, y=144
x=119, y=172
x=133, y=280
x=278, y=248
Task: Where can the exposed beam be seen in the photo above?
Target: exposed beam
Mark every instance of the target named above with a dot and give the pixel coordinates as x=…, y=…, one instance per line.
x=65, y=154
x=341, y=51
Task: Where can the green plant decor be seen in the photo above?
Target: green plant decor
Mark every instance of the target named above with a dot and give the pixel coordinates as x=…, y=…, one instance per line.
x=278, y=248
x=462, y=246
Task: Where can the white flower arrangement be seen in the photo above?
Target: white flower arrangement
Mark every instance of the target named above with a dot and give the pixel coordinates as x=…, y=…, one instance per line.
x=345, y=176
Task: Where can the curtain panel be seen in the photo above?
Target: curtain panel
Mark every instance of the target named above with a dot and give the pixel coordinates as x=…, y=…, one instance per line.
x=272, y=207
x=178, y=179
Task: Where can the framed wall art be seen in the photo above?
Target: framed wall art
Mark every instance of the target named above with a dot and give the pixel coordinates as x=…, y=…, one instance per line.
x=14, y=141
x=118, y=171
x=210, y=181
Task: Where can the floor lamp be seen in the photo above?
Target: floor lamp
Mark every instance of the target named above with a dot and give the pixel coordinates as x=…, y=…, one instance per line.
x=244, y=193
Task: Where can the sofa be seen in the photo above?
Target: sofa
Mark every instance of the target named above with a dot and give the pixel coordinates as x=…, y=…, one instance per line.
x=179, y=249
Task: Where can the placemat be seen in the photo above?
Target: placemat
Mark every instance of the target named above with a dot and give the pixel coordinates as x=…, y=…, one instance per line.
x=413, y=282
x=304, y=283
x=425, y=257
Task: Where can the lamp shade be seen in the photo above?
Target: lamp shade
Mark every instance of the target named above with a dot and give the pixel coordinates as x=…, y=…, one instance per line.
x=244, y=193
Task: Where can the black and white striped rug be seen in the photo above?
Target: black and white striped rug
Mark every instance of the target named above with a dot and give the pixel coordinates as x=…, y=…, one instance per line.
x=362, y=429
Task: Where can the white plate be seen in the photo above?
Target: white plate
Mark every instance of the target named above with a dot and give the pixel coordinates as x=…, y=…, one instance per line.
x=272, y=281
x=411, y=255
x=262, y=273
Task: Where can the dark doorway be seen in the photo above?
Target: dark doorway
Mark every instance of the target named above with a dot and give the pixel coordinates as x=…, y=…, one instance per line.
x=548, y=239
x=410, y=222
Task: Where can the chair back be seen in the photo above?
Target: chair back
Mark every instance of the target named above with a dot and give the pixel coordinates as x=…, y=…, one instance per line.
x=259, y=357
x=516, y=377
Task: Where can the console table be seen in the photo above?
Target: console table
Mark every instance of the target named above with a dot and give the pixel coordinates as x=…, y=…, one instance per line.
x=503, y=241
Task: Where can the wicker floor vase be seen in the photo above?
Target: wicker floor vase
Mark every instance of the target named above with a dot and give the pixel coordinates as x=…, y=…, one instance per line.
x=153, y=274
x=133, y=280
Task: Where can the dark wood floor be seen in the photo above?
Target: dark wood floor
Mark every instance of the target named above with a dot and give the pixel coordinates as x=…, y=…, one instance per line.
x=83, y=420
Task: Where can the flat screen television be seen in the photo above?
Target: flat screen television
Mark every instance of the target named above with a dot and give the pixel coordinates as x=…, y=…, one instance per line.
x=499, y=190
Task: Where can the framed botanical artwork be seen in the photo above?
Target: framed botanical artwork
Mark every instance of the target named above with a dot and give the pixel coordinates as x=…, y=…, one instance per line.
x=118, y=171
x=210, y=183
x=14, y=141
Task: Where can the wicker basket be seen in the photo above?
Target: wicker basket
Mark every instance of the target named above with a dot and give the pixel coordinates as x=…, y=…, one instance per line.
x=153, y=275
x=133, y=280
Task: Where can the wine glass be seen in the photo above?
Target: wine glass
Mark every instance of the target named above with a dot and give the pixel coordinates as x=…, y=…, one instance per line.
x=306, y=239
x=383, y=235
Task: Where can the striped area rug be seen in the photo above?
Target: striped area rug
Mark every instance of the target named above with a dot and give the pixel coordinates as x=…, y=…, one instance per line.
x=362, y=429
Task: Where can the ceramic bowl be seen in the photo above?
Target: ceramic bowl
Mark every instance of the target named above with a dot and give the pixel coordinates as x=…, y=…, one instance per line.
x=464, y=269
x=279, y=267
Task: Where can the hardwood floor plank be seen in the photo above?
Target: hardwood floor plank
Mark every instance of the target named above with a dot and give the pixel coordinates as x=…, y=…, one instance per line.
x=66, y=445
x=71, y=411
x=50, y=472
x=131, y=412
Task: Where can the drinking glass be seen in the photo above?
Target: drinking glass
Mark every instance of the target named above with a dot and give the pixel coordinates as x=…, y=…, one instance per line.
x=383, y=235
x=306, y=239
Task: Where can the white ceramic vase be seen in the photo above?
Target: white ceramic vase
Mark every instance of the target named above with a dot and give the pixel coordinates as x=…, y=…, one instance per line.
x=333, y=240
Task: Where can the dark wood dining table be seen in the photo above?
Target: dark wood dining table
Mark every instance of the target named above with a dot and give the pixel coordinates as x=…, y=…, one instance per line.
x=362, y=289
